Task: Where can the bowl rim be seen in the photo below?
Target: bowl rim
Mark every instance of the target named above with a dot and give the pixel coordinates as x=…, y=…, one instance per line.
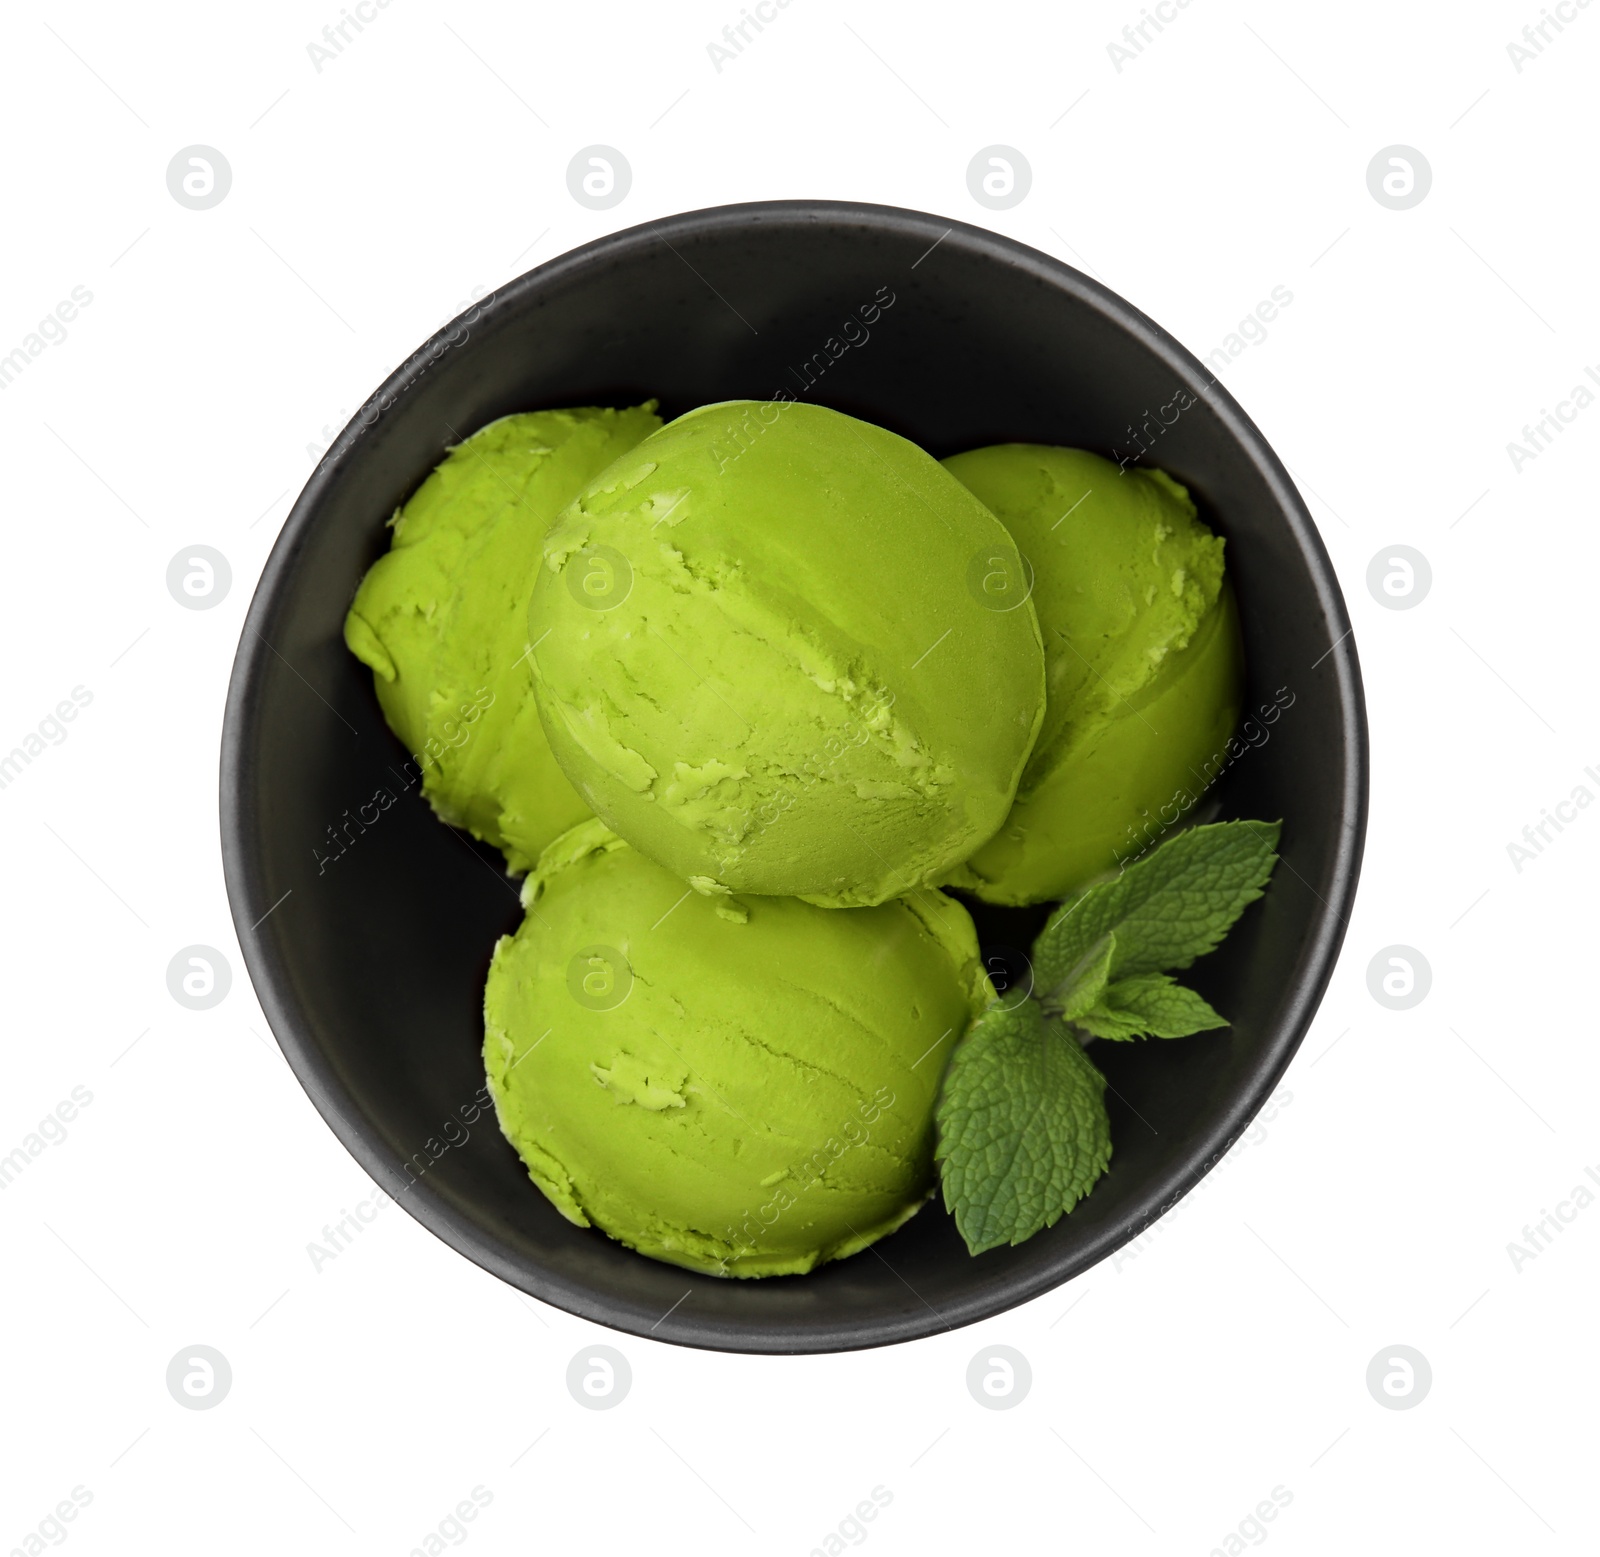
x=318, y=1076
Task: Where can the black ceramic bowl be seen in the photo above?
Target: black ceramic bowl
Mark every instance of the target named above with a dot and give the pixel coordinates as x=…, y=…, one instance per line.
x=370, y=968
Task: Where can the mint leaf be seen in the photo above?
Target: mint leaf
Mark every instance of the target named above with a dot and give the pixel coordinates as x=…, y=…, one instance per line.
x=1023, y=1131
x=1175, y=905
x=1080, y=991
x=1149, y=1005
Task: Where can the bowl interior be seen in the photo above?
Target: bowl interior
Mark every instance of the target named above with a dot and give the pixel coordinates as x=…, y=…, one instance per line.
x=371, y=965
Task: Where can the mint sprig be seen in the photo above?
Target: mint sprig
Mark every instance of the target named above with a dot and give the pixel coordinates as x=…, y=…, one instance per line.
x=1023, y=1130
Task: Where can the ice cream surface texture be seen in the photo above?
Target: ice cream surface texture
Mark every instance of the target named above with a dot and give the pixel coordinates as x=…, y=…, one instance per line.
x=1143, y=659
x=743, y=1086
x=765, y=659
x=442, y=620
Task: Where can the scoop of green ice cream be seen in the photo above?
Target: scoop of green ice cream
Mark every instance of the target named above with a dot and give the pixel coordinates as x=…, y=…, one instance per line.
x=743, y=1086
x=1143, y=660
x=442, y=620
x=765, y=657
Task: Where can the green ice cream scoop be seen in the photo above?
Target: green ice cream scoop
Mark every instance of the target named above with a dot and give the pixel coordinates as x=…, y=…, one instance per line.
x=1143, y=660
x=442, y=620
x=767, y=660
x=743, y=1086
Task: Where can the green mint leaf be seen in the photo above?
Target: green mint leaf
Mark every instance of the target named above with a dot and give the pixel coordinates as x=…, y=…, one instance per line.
x=1174, y=905
x=1080, y=991
x=1023, y=1131
x=1149, y=1005
x=1104, y=1023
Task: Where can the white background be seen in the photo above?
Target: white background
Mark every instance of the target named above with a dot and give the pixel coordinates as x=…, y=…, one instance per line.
x=1172, y=1391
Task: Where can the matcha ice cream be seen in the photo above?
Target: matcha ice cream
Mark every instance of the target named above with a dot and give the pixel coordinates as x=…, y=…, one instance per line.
x=442, y=620
x=1143, y=661
x=742, y=1086
x=765, y=657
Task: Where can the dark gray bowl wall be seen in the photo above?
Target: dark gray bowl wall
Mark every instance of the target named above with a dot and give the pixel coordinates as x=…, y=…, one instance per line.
x=371, y=969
